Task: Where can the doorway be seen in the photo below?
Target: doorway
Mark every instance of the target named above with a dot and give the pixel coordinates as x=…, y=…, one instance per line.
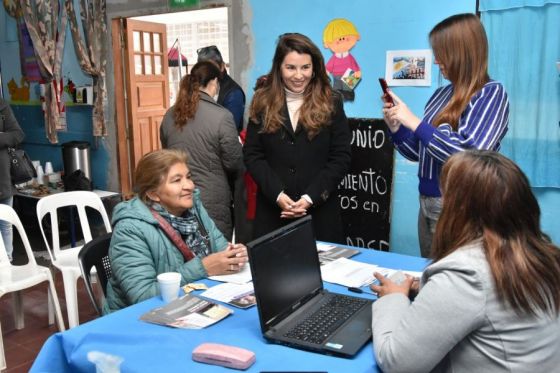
x=145, y=83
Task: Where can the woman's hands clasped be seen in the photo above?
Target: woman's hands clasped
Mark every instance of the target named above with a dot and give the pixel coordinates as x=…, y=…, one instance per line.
x=292, y=209
x=398, y=114
x=230, y=260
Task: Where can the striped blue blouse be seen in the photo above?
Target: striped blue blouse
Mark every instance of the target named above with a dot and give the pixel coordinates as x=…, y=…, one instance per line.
x=482, y=125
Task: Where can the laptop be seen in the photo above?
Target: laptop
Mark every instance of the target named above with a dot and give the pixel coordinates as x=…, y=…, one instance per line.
x=294, y=308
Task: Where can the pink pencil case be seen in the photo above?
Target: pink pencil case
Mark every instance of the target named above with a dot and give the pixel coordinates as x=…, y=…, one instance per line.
x=224, y=355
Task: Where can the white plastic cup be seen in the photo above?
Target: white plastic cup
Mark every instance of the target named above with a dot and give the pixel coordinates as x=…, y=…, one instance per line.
x=40, y=174
x=48, y=168
x=169, y=283
x=36, y=163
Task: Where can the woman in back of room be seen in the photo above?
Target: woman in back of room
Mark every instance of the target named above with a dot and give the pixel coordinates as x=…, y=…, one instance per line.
x=206, y=131
x=470, y=113
x=490, y=300
x=298, y=142
x=10, y=136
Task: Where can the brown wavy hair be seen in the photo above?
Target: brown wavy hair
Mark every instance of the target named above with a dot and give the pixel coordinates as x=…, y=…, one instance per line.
x=189, y=90
x=152, y=170
x=268, y=101
x=486, y=195
x=460, y=44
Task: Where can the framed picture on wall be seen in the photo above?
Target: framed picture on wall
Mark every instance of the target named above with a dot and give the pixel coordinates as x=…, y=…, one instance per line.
x=409, y=67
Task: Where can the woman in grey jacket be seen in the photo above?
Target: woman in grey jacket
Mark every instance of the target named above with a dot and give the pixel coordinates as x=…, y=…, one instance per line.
x=206, y=131
x=141, y=248
x=10, y=136
x=490, y=301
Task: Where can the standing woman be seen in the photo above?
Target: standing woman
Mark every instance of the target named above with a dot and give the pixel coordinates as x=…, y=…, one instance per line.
x=298, y=142
x=10, y=136
x=470, y=113
x=207, y=133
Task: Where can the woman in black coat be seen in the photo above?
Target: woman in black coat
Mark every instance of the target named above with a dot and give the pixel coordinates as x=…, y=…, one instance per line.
x=298, y=142
x=10, y=136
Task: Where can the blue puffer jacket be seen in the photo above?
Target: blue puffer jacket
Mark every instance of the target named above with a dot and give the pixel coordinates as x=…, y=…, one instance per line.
x=140, y=251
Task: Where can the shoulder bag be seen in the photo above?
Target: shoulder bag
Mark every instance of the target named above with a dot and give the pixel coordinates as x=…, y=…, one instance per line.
x=21, y=167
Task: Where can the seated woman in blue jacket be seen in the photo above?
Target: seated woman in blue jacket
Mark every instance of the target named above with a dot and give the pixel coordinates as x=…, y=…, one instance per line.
x=141, y=248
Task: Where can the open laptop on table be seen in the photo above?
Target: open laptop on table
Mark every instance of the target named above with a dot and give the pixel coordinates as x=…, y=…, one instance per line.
x=294, y=309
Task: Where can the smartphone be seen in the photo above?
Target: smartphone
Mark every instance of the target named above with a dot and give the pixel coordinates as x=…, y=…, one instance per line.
x=386, y=96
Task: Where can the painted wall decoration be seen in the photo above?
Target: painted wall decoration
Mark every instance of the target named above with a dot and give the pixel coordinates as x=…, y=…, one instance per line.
x=19, y=93
x=340, y=35
x=409, y=68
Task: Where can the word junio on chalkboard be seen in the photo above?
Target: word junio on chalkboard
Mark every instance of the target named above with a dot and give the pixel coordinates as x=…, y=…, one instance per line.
x=365, y=191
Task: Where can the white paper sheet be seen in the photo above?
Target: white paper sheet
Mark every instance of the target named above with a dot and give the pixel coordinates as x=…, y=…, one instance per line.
x=240, y=277
x=348, y=272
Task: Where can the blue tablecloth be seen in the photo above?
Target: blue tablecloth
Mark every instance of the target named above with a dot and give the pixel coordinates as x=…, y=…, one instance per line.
x=152, y=348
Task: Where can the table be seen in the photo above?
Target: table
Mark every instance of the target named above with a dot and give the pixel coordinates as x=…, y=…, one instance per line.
x=154, y=348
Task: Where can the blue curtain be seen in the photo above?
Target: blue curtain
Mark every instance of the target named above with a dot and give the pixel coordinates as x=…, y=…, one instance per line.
x=524, y=38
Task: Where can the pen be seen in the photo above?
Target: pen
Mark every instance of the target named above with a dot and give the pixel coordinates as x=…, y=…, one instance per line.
x=359, y=291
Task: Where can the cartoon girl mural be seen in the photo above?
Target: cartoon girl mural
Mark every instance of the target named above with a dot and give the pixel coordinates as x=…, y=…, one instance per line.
x=340, y=35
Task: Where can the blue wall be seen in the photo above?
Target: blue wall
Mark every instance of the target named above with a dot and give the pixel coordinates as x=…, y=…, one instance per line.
x=383, y=25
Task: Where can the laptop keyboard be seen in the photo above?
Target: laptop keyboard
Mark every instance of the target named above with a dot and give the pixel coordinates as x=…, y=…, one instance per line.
x=317, y=327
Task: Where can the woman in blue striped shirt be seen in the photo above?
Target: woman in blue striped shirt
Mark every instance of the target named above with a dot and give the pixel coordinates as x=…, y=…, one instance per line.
x=470, y=113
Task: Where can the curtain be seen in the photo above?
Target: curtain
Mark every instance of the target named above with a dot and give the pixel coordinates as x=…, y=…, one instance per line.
x=28, y=61
x=524, y=41
x=91, y=52
x=46, y=21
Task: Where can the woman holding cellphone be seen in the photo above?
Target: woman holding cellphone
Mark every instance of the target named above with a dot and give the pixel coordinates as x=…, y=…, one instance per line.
x=470, y=113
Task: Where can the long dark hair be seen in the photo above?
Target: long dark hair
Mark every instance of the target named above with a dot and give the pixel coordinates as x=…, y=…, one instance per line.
x=460, y=44
x=317, y=107
x=189, y=91
x=486, y=195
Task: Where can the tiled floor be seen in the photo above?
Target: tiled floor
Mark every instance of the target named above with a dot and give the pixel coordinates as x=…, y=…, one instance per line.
x=22, y=346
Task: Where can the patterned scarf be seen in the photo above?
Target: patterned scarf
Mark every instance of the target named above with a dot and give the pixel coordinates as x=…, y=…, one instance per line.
x=188, y=226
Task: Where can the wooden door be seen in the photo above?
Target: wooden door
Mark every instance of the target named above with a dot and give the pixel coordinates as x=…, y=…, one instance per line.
x=142, y=70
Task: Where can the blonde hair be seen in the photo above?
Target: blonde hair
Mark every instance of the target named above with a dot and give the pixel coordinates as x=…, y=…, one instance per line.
x=338, y=28
x=152, y=169
x=459, y=43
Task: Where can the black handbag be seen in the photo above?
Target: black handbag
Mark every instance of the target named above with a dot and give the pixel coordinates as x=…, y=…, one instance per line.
x=21, y=167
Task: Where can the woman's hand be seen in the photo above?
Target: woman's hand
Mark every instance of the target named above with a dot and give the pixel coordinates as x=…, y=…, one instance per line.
x=393, y=125
x=230, y=260
x=291, y=209
x=387, y=286
x=399, y=113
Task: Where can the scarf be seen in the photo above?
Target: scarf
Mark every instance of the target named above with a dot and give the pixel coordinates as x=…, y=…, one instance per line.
x=188, y=226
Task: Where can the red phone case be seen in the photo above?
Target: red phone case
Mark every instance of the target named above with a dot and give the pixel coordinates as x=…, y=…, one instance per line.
x=386, y=96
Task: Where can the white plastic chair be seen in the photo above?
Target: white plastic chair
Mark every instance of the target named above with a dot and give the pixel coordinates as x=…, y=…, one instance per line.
x=66, y=260
x=13, y=279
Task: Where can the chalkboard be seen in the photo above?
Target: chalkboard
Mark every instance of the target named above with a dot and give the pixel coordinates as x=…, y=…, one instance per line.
x=365, y=192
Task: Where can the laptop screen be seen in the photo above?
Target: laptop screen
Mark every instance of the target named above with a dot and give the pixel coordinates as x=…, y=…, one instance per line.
x=285, y=269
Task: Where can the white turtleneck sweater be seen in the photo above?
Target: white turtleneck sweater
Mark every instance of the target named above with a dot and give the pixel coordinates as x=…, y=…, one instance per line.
x=294, y=102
